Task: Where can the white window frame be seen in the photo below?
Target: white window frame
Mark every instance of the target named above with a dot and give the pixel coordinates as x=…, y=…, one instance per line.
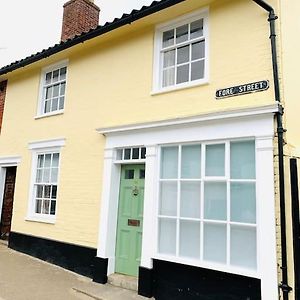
x=37, y=148
x=227, y=267
x=157, y=62
x=40, y=108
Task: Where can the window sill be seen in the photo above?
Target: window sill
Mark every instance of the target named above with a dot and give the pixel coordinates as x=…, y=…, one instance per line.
x=59, y=112
x=40, y=219
x=179, y=87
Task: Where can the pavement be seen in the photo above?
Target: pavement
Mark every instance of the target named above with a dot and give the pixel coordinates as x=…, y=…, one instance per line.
x=23, y=277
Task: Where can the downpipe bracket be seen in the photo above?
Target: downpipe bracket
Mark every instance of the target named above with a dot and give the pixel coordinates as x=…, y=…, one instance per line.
x=285, y=288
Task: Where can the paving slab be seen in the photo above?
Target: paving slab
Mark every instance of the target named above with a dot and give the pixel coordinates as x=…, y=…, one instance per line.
x=23, y=277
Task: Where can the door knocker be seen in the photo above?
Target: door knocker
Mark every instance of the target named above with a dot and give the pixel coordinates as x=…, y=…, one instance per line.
x=135, y=191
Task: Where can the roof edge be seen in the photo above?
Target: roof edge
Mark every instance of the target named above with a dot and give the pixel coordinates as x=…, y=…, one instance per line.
x=100, y=30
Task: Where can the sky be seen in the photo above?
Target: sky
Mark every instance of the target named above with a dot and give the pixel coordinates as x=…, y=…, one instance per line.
x=28, y=26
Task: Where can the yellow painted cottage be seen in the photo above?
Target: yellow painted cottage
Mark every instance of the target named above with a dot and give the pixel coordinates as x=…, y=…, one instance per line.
x=162, y=145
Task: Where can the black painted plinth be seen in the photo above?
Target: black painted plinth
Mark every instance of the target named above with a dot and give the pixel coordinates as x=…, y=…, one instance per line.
x=145, y=286
x=181, y=282
x=76, y=258
x=100, y=270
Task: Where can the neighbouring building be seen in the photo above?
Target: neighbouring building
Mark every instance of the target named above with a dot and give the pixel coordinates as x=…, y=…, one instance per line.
x=161, y=145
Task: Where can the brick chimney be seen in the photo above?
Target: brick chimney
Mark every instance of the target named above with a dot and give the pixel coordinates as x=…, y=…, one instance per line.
x=3, y=86
x=79, y=16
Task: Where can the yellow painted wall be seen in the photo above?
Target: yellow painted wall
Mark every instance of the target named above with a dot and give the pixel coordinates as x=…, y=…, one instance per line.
x=109, y=83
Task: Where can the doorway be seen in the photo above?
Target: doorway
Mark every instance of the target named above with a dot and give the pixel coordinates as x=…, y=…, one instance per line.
x=7, y=202
x=130, y=220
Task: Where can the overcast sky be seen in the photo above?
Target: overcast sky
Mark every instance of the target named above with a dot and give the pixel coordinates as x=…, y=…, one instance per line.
x=28, y=26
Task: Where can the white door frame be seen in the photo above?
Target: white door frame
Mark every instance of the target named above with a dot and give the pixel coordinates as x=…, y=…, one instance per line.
x=6, y=162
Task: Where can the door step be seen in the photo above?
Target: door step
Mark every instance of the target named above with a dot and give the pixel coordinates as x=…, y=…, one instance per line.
x=123, y=281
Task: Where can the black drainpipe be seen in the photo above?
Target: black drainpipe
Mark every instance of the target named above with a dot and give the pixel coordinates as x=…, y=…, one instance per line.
x=280, y=130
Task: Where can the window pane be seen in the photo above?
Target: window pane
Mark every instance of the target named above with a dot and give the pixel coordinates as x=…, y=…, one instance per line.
x=61, y=102
x=38, y=206
x=169, y=77
x=47, y=160
x=169, y=58
x=46, y=207
x=214, y=243
x=242, y=160
x=189, y=239
x=54, y=104
x=198, y=50
x=129, y=174
x=168, y=38
x=48, y=77
x=40, y=161
x=142, y=174
x=182, y=33
x=39, y=174
x=215, y=204
x=54, y=192
x=119, y=154
x=243, y=202
x=190, y=162
x=54, y=174
x=39, y=191
x=127, y=153
x=169, y=162
x=215, y=160
x=63, y=72
x=62, y=89
x=183, y=74
x=55, y=75
x=190, y=200
x=143, y=153
x=47, y=191
x=197, y=29
x=55, y=159
x=135, y=153
x=47, y=106
x=46, y=175
x=49, y=92
x=168, y=198
x=197, y=70
x=55, y=90
x=53, y=206
x=183, y=54
x=243, y=247
x=167, y=236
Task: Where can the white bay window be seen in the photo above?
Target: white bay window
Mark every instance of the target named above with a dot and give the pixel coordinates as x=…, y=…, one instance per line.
x=207, y=203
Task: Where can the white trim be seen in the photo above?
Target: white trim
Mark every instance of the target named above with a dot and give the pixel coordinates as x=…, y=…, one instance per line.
x=41, y=219
x=5, y=162
x=254, y=123
x=9, y=161
x=46, y=144
x=235, y=113
x=54, y=113
x=266, y=236
x=157, y=63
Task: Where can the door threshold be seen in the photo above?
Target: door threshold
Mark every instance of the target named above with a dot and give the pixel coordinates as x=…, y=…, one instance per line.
x=123, y=281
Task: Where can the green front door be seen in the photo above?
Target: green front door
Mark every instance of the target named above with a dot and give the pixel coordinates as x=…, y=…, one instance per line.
x=130, y=219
